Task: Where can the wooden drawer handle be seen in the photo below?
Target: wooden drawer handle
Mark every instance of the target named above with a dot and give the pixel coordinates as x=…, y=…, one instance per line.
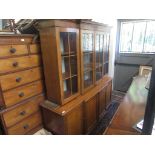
x=22, y=113
x=26, y=126
x=18, y=79
x=21, y=94
x=15, y=64
x=12, y=50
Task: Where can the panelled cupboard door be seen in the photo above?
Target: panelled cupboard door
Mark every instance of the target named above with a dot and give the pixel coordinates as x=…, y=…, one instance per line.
x=87, y=59
x=75, y=121
x=108, y=94
x=68, y=59
x=91, y=113
x=102, y=101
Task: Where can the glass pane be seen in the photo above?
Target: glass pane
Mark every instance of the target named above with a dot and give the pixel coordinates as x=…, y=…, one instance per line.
x=64, y=43
x=149, y=45
x=106, y=67
x=88, y=79
x=72, y=42
x=97, y=41
x=106, y=51
x=88, y=61
x=126, y=37
x=74, y=85
x=101, y=42
x=98, y=73
x=65, y=67
x=97, y=50
x=73, y=64
x=138, y=36
x=87, y=40
x=67, y=88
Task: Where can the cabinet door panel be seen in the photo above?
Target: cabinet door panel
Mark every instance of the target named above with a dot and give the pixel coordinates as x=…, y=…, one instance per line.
x=87, y=57
x=90, y=113
x=75, y=121
x=102, y=101
x=108, y=94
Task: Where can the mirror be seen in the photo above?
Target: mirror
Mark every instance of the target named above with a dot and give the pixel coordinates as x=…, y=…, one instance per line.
x=7, y=26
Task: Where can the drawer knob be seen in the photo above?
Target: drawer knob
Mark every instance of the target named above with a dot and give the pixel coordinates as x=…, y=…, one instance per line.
x=18, y=79
x=22, y=113
x=12, y=50
x=15, y=64
x=21, y=94
x=26, y=126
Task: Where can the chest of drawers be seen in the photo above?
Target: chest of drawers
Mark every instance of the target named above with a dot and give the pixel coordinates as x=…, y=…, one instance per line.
x=21, y=84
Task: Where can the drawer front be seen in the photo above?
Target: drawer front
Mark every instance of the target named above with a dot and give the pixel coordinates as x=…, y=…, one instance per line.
x=26, y=125
x=17, y=79
x=15, y=64
x=14, y=96
x=34, y=48
x=11, y=50
x=15, y=40
x=17, y=114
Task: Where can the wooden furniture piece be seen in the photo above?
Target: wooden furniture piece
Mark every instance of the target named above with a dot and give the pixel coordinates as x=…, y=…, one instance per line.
x=21, y=85
x=131, y=110
x=75, y=57
x=60, y=46
x=80, y=115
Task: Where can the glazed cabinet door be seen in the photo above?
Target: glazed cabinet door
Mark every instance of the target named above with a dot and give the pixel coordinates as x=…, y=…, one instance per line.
x=106, y=53
x=91, y=113
x=69, y=59
x=87, y=59
x=99, y=64
x=101, y=54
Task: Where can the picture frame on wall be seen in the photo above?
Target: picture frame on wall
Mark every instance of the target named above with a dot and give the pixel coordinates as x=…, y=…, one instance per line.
x=145, y=70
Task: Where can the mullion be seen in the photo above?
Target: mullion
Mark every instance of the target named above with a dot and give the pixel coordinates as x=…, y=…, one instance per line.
x=144, y=36
x=69, y=64
x=132, y=36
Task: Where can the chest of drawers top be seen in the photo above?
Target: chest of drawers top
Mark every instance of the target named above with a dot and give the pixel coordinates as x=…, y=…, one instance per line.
x=16, y=39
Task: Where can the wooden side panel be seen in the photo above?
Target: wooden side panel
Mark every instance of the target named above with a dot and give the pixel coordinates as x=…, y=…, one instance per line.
x=90, y=114
x=53, y=122
x=50, y=61
x=1, y=98
x=75, y=121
